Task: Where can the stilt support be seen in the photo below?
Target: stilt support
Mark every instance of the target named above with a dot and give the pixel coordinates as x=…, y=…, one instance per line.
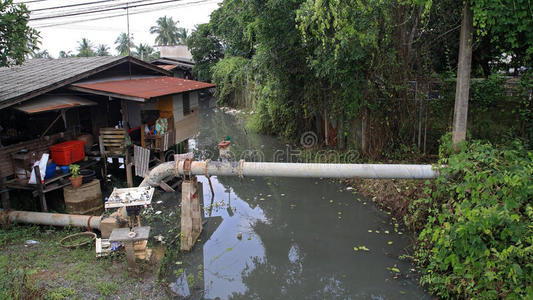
x=191, y=218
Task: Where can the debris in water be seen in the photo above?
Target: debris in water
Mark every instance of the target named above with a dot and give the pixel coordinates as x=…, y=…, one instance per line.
x=349, y=188
x=369, y=230
x=363, y=248
x=239, y=235
x=330, y=201
x=269, y=195
x=282, y=195
x=262, y=199
x=389, y=242
x=377, y=231
x=393, y=269
x=386, y=231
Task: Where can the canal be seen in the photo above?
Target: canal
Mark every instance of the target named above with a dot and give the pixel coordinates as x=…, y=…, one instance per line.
x=286, y=238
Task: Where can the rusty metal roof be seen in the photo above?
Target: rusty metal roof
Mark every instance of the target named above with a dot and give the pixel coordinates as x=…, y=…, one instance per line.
x=145, y=88
x=52, y=102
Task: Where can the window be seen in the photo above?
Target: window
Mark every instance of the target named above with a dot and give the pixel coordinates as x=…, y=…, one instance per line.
x=186, y=104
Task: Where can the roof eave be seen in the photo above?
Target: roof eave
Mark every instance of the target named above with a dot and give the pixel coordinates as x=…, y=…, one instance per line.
x=104, y=93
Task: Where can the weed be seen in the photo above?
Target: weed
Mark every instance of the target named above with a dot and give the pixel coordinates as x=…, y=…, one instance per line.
x=107, y=288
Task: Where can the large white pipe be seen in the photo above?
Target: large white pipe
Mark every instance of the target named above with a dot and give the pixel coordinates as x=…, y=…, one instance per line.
x=304, y=170
x=30, y=217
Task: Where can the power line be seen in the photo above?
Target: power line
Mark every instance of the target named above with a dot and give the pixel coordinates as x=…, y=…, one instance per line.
x=32, y=1
x=100, y=10
x=46, y=25
x=71, y=5
x=83, y=9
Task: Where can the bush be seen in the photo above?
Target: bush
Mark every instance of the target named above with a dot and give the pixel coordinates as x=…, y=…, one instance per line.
x=477, y=239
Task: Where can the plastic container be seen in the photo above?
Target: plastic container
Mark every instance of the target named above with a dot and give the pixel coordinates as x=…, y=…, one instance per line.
x=65, y=169
x=50, y=171
x=68, y=152
x=88, y=175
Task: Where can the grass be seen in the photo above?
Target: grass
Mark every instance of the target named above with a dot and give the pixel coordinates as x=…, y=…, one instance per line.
x=48, y=271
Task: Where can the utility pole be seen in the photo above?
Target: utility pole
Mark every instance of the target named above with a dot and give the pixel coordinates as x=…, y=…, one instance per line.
x=128, y=27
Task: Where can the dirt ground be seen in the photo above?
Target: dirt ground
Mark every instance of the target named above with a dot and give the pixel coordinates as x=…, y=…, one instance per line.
x=46, y=270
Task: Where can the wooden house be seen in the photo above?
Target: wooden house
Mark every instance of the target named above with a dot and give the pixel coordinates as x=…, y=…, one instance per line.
x=46, y=101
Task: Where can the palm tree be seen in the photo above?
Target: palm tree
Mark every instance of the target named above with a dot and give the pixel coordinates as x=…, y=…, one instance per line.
x=167, y=31
x=102, y=50
x=144, y=51
x=41, y=54
x=182, y=34
x=124, y=44
x=65, y=54
x=85, y=48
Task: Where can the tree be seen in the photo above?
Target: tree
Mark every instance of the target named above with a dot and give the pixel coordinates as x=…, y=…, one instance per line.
x=206, y=50
x=168, y=33
x=124, y=44
x=144, y=52
x=462, y=90
x=85, y=48
x=65, y=54
x=17, y=39
x=102, y=50
x=41, y=54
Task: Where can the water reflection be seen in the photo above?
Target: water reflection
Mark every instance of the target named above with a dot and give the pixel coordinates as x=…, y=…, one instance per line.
x=298, y=235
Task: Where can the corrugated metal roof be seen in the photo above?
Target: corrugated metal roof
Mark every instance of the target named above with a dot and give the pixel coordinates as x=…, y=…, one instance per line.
x=147, y=88
x=53, y=102
x=38, y=76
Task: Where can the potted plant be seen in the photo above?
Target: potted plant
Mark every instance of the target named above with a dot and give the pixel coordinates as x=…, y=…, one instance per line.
x=76, y=178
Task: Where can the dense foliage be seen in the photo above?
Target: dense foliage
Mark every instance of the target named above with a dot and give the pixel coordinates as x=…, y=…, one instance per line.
x=206, y=50
x=365, y=67
x=17, y=39
x=476, y=240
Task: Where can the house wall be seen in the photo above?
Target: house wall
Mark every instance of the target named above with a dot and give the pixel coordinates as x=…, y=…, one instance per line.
x=189, y=125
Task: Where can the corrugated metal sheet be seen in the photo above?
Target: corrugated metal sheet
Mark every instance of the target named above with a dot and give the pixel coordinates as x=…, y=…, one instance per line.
x=53, y=102
x=141, y=158
x=147, y=87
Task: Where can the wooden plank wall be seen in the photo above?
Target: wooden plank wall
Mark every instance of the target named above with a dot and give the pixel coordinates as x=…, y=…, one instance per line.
x=187, y=127
x=38, y=146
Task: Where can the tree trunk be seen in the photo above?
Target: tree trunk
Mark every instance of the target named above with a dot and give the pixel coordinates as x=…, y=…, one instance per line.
x=463, y=77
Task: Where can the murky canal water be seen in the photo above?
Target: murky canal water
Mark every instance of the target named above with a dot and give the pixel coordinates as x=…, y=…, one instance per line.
x=298, y=235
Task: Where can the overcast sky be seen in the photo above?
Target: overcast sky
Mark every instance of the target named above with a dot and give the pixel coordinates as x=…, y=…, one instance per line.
x=105, y=30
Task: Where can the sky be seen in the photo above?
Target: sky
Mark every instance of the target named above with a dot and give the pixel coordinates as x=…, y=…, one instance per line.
x=57, y=36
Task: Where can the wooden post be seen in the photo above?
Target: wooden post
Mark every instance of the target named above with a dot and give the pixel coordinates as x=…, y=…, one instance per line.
x=4, y=193
x=127, y=160
x=130, y=254
x=186, y=217
x=191, y=218
x=127, y=166
x=40, y=188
